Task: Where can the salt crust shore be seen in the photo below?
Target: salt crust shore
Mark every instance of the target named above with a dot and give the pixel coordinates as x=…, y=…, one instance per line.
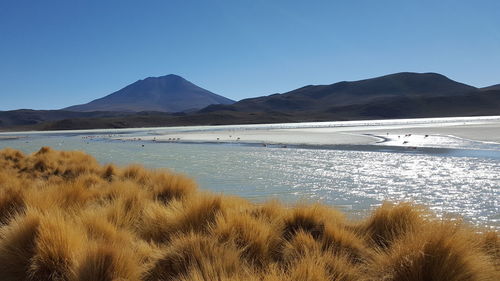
x=453, y=132
x=411, y=134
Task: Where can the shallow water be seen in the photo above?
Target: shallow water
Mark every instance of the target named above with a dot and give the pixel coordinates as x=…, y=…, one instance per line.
x=456, y=181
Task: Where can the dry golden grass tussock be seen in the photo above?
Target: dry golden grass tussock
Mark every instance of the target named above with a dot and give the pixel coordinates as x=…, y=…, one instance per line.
x=125, y=209
x=490, y=244
x=159, y=222
x=109, y=262
x=166, y=186
x=17, y=246
x=58, y=245
x=101, y=231
x=341, y=241
x=323, y=266
x=390, y=222
x=271, y=211
x=49, y=163
x=312, y=219
x=443, y=251
x=258, y=240
x=191, y=252
x=11, y=202
x=65, y=217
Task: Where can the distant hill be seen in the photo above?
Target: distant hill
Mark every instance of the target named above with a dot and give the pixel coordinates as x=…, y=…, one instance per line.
x=317, y=98
x=475, y=103
x=29, y=117
x=493, y=87
x=400, y=95
x=472, y=104
x=170, y=93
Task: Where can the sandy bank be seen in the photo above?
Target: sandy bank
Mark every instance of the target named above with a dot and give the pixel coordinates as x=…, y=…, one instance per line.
x=425, y=133
x=270, y=136
x=486, y=132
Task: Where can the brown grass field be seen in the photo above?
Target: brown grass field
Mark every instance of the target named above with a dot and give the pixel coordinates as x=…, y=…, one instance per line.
x=65, y=217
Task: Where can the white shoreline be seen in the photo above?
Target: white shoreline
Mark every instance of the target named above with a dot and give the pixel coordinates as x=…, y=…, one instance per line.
x=440, y=132
x=450, y=133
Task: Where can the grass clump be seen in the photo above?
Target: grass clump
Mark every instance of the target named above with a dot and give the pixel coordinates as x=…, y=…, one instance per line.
x=440, y=252
x=108, y=262
x=65, y=217
x=17, y=246
x=197, y=254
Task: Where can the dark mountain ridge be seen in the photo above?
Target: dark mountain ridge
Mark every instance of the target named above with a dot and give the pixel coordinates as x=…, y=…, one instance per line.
x=400, y=95
x=473, y=104
x=345, y=93
x=169, y=93
x=30, y=117
x=492, y=87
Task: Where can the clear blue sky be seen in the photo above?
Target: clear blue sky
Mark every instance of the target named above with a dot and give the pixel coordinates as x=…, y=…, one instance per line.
x=56, y=53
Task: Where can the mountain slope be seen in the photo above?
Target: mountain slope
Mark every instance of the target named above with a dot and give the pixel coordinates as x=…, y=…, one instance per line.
x=170, y=93
x=473, y=104
x=29, y=117
x=397, y=85
x=400, y=95
x=493, y=87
